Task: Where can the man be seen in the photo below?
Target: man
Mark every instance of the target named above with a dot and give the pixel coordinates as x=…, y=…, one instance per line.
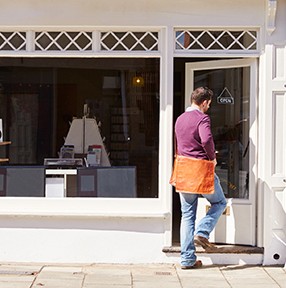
x=194, y=139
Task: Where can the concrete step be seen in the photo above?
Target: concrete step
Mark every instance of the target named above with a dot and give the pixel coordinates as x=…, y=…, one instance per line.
x=223, y=255
x=221, y=249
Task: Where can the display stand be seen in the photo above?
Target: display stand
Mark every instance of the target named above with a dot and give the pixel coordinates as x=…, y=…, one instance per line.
x=2, y=144
x=83, y=133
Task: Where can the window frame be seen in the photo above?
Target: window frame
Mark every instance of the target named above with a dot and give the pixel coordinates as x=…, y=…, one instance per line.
x=108, y=207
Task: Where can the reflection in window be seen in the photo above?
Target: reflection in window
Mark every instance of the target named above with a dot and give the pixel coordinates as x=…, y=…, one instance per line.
x=41, y=97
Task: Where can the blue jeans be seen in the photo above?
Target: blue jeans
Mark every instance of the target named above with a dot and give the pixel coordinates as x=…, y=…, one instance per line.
x=189, y=203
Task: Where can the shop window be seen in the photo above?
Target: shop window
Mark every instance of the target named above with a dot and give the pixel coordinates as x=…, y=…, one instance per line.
x=115, y=99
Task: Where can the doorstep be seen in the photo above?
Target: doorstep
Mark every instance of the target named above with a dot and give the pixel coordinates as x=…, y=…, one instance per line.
x=221, y=249
x=223, y=255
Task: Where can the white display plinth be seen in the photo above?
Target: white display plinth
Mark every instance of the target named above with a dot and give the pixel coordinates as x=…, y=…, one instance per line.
x=55, y=187
x=56, y=182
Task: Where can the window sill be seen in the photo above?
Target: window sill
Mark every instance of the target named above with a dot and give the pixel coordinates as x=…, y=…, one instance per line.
x=101, y=215
x=83, y=207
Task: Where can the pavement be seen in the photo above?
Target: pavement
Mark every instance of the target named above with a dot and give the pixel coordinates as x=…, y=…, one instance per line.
x=138, y=276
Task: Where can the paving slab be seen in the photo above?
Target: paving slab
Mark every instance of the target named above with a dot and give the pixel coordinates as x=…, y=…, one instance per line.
x=106, y=286
x=278, y=274
x=58, y=282
x=156, y=284
x=106, y=279
x=139, y=276
x=62, y=268
x=18, y=276
x=207, y=276
x=154, y=276
x=18, y=269
x=107, y=269
x=15, y=285
x=60, y=275
x=246, y=276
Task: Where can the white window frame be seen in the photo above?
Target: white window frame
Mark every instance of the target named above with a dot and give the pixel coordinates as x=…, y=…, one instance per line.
x=206, y=52
x=108, y=207
x=160, y=207
x=95, y=50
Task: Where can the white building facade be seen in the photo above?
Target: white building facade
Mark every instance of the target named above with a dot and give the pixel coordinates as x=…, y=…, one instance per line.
x=134, y=64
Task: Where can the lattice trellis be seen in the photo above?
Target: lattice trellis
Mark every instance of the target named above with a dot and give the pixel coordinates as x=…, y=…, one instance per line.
x=14, y=41
x=129, y=41
x=221, y=40
x=63, y=41
x=81, y=41
x=194, y=40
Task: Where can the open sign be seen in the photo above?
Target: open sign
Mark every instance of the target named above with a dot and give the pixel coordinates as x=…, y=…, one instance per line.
x=225, y=97
x=225, y=100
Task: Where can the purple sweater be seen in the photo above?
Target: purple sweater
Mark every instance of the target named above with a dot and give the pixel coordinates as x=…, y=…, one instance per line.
x=194, y=137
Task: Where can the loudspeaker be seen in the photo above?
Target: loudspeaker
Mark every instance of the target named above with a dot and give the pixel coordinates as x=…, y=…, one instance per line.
x=1, y=131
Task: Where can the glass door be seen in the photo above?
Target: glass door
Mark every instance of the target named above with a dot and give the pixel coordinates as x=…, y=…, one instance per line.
x=233, y=117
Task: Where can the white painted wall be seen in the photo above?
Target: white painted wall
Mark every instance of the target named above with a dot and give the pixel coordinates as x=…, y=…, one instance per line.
x=272, y=139
x=132, y=13
x=272, y=154
x=83, y=230
x=82, y=240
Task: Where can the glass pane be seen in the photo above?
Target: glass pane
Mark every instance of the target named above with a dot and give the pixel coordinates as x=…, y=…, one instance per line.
x=41, y=99
x=230, y=125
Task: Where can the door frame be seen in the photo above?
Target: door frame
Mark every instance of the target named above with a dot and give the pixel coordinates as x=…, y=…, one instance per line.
x=250, y=203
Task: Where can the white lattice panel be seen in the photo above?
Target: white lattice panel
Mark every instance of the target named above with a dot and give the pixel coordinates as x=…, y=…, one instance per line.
x=221, y=40
x=129, y=41
x=63, y=41
x=13, y=41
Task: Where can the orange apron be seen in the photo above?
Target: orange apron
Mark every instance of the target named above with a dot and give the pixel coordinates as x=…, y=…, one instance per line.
x=191, y=175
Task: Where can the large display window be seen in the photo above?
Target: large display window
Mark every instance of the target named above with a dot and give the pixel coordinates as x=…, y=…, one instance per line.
x=41, y=98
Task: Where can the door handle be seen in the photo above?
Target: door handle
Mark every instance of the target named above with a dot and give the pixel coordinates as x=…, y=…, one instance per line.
x=284, y=180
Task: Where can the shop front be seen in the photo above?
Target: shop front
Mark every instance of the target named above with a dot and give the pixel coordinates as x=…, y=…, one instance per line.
x=88, y=108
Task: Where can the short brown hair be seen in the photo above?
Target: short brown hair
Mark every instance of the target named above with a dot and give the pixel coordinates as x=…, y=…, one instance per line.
x=201, y=94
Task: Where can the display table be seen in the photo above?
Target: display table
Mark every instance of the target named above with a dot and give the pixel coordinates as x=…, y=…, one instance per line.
x=38, y=181
x=116, y=181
